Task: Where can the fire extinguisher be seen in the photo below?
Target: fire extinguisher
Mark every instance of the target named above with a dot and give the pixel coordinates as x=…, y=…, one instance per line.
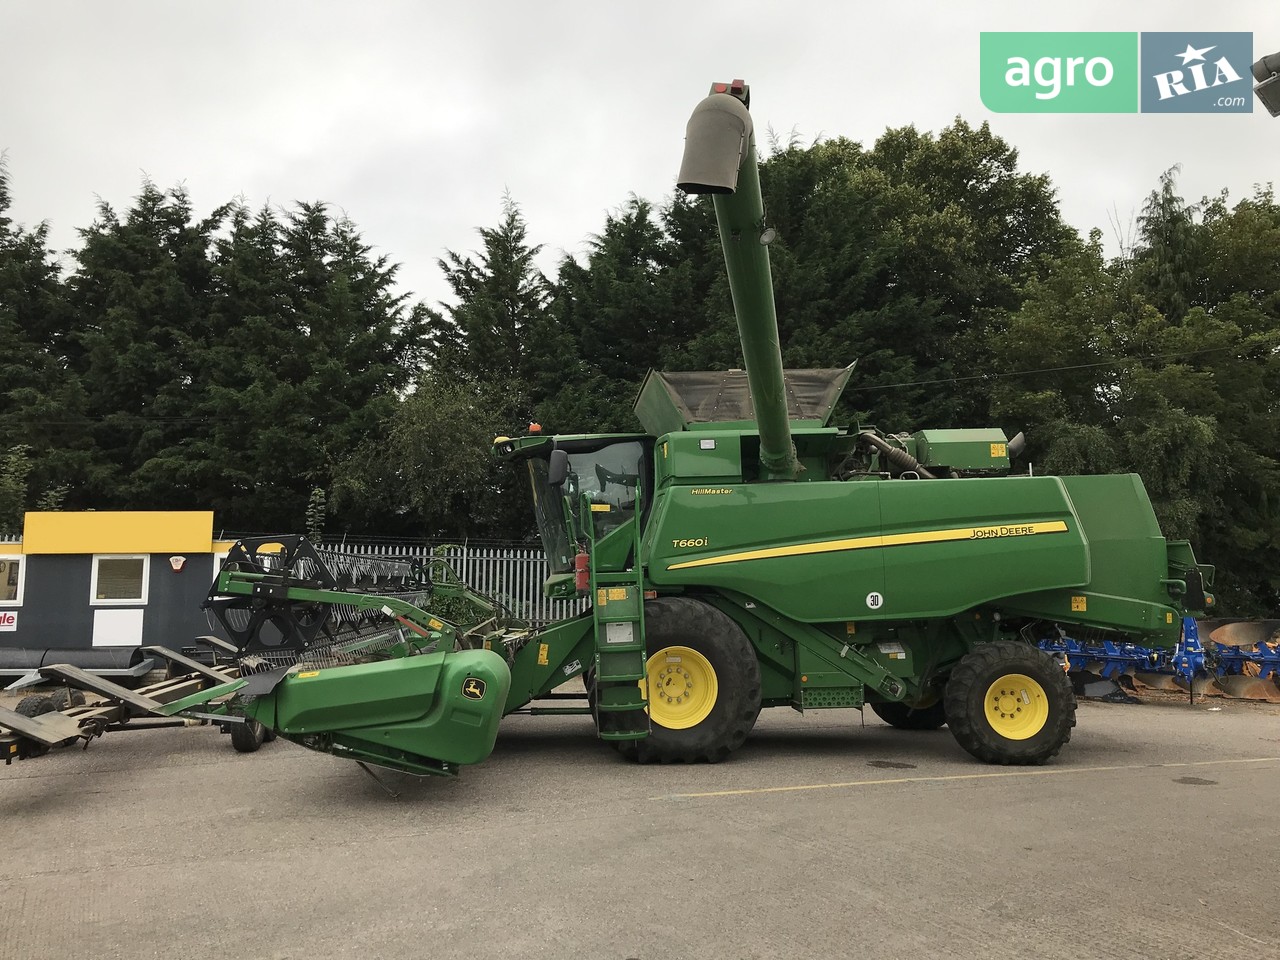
x=582, y=570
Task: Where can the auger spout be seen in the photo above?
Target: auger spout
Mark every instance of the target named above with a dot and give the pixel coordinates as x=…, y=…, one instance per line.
x=720, y=159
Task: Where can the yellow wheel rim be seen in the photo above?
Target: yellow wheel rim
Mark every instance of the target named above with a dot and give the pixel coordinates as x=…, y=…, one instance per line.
x=1017, y=707
x=681, y=687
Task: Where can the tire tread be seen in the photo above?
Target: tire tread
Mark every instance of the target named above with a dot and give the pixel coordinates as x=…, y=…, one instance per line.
x=976, y=671
x=686, y=621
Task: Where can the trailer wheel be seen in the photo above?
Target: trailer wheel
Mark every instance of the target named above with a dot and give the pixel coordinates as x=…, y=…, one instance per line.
x=1009, y=703
x=904, y=717
x=247, y=737
x=64, y=698
x=705, y=663
x=33, y=706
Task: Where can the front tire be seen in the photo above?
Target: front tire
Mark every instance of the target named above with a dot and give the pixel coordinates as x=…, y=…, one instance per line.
x=35, y=704
x=703, y=679
x=1009, y=703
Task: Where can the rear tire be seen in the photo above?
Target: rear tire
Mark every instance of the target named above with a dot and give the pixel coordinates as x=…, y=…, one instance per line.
x=1009, y=703
x=247, y=737
x=729, y=698
x=899, y=715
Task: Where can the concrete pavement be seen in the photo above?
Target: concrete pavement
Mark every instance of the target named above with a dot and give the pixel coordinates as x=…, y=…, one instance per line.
x=1151, y=836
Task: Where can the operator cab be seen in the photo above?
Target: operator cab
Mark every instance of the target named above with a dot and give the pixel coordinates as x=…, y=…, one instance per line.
x=586, y=489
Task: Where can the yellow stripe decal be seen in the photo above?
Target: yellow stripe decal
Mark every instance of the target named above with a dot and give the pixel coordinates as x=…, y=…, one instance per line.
x=990, y=532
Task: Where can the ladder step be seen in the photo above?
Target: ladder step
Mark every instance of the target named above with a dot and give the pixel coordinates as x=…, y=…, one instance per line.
x=637, y=705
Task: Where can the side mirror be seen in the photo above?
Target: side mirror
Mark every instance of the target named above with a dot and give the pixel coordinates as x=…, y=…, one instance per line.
x=559, y=468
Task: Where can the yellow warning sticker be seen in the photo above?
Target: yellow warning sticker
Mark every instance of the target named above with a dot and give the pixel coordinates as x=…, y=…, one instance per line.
x=851, y=628
x=602, y=597
x=999, y=450
x=543, y=649
x=600, y=508
x=1168, y=618
x=308, y=673
x=434, y=624
x=1079, y=604
x=617, y=593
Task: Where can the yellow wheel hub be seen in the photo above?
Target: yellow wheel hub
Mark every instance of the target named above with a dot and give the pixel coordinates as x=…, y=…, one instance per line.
x=681, y=687
x=1017, y=707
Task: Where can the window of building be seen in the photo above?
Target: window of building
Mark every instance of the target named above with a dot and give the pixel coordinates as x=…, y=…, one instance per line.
x=120, y=580
x=13, y=575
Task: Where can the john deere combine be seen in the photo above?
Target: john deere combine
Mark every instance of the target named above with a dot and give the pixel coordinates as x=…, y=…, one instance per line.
x=743, y=552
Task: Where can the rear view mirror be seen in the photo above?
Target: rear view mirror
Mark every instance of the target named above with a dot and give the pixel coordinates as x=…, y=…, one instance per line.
x=559, y=468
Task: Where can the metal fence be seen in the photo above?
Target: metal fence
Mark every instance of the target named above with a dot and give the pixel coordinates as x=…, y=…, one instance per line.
x=511, y=574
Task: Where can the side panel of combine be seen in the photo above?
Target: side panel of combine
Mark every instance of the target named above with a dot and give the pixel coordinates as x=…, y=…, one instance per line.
x=870, y=551
x=1129, y=559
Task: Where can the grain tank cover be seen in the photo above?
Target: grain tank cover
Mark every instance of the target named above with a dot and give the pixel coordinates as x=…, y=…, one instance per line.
x=669, y=402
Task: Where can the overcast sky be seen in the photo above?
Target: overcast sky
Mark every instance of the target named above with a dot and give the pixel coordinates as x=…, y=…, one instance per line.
x=414, y=117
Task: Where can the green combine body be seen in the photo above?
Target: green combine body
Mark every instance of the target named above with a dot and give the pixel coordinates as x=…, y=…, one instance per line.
x=743, y=552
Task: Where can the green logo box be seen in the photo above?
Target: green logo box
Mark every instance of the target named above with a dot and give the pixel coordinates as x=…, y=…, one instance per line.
x=1059, y=72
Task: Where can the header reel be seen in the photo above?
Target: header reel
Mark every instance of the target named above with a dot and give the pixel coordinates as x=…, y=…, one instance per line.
x=277, y=594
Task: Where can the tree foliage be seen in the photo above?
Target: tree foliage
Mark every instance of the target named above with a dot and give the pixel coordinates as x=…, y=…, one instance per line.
x=265, y=363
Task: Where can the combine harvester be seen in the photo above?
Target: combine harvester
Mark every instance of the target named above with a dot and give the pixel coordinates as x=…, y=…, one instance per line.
x=741, y=553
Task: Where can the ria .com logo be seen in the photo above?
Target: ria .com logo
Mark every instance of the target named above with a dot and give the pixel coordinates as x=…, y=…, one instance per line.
x=1103, y=72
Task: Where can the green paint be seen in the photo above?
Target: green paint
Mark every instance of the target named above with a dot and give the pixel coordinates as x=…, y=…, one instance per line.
x=427, y=713
x=1059, y=72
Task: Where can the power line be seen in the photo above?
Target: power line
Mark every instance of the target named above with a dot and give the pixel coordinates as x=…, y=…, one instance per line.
x=1026, y=373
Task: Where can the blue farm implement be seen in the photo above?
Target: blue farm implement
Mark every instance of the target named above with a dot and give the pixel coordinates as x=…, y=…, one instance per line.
x=1240, y=660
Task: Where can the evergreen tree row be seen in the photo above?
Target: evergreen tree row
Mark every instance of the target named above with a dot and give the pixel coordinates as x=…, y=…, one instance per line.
x=262, y=363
